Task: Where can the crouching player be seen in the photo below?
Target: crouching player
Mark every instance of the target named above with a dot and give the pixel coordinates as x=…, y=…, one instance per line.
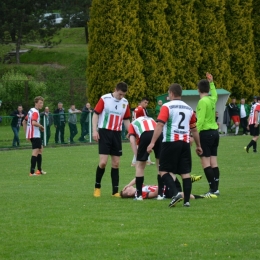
x=140, y=132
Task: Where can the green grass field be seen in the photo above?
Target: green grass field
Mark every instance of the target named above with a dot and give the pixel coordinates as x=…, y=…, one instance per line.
x=56, y=216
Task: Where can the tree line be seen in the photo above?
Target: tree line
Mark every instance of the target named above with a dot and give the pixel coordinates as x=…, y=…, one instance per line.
x=150, y=44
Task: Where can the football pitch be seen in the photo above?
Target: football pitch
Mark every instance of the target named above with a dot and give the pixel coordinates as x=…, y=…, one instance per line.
x=55, y=216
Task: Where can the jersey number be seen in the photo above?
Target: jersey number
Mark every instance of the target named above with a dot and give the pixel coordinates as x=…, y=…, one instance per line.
x=182, y=119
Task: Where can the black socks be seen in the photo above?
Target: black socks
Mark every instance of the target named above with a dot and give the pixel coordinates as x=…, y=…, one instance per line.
x=39, y=162
x=252, y=143
x=115, y=180
x=99, y=174
x=139, y=184
x=210, y=177
x=33, y=163
x=160, y=185
x=216, y=176
x=186, y=189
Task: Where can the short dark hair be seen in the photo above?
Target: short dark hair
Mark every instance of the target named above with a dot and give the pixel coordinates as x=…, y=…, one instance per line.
x=258, y=98
x=144, y=98
x=36, y=100
x=176, y=89
x=122, y=86
x=203, y=86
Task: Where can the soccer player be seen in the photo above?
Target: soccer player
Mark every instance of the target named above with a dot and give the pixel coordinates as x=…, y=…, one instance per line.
x=151, y=191
x=140, y=133
x=32, y=128
x=235, y=115
x=208, y=131
x=253, y=125
x=111, y=110
x=176, y=120
x=141, y=109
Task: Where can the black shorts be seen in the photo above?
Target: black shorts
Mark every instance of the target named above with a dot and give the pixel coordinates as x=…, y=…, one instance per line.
x=110, y=142
x=209, y=140
x=36, y=143
x=254, y=131
x=175, y=157
x=145, y=140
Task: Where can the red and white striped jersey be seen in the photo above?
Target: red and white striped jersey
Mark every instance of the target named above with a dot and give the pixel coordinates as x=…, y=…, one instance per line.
x=112, y=112
x=178, y=119
x=140, y=125
x=31, y=130
x=252, y=120
x=146, y=189
x=139, y=111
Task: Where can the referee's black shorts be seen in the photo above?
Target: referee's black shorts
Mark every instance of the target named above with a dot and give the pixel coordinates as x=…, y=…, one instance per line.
x=109, y=142
x=36, y=143
x=175, y=157
x=254, y=131
x=145, y=140
x=209, y=141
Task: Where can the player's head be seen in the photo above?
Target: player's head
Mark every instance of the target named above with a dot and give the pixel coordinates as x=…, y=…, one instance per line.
x=159, y=102
x=60, y=105
x=203, y=86
x=72, y=107
x=144, y=102
x=38, y=101
x=20, y=108
x=120, y=91
x=258, y=99
x=242, y=101
x=128, y=192
x=175, y=91
x=255, y=98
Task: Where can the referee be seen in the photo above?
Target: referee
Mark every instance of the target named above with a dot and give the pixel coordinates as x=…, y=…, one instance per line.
x=208, y=131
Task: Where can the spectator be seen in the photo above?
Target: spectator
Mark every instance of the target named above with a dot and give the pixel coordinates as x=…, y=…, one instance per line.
x=158, y=107
x=234, y=114
x=18, y=117
x=244, y=110
x=59, y=123
x=84, y=121
x=49, y=121
x=73, y=122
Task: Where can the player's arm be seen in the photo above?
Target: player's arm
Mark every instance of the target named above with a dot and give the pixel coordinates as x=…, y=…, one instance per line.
x=213, y=90
x=157, y=132
x=196, y=138
x=25, y=124
x=127, y=117
x=256, y=118
x=98, y=110
x=127, y=123
x=131, y=183
x=94, y=127
x=195, y=134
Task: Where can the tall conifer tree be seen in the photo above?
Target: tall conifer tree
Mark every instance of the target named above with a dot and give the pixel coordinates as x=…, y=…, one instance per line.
x=185, y=37
x=157, y=47
x=214, y=42
x=113, y=54
x=256, y=29
x=240, y=34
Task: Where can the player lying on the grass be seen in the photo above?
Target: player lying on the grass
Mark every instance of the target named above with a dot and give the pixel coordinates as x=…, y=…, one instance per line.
x=151, y=191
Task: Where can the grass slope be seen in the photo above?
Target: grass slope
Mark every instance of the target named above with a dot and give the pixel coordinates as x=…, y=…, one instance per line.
x=56, y=217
